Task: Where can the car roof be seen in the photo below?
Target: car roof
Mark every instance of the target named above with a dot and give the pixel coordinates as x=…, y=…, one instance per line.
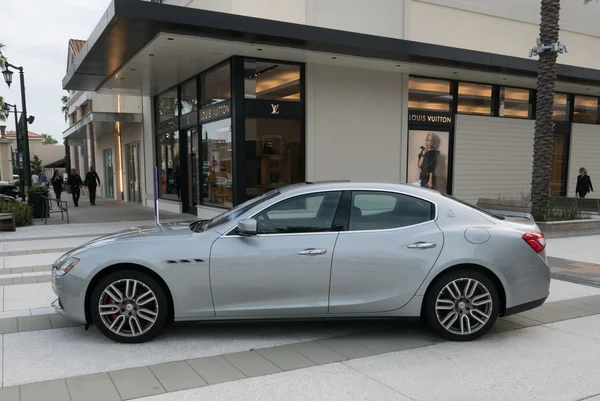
x=358, y=185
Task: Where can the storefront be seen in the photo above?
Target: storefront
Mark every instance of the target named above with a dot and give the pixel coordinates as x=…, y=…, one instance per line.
x=232, y=133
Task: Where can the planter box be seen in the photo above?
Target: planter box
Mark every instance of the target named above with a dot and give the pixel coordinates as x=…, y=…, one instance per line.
x=504, y=205
x=572, y=228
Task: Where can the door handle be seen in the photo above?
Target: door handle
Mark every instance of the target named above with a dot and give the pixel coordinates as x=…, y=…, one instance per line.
x=422, y=245
x=312, y=252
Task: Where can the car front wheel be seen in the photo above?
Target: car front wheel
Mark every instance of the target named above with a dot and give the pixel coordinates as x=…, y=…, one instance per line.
x=129, y=307
x=462, y=305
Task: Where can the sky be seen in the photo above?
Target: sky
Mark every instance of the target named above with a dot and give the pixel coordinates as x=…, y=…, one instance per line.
x=36, y=34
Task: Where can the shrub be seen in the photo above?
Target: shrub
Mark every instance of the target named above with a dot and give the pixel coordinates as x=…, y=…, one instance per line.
x=561, y=212
x=21, y=211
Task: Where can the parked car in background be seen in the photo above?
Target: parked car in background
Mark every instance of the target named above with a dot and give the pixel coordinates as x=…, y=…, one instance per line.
x=312, y=251
x=8, y=188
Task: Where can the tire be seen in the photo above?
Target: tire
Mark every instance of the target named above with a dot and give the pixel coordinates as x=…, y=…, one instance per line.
x=130, y=331
x=486, y=303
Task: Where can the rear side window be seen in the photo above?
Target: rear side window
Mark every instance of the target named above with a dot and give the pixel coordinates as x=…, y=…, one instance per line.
x=387, y=210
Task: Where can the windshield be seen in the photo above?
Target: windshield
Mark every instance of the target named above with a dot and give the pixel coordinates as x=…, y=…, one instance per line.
x=236, y=212
x=495, y=216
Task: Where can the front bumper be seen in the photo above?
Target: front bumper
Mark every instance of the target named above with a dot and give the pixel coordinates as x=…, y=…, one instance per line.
x=71, y=297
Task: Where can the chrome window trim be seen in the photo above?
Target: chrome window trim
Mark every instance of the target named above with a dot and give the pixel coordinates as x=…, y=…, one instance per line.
x=315, y=191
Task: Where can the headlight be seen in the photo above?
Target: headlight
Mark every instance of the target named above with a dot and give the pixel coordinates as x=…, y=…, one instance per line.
x=64, y=266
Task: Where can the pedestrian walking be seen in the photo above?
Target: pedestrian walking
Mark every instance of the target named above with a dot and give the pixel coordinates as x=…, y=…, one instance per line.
x=57, y=185
x=584, y=183
x=75, y=183
x=91, y=178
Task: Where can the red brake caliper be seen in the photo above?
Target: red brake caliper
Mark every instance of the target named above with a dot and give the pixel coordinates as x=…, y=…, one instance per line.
x=112, y=301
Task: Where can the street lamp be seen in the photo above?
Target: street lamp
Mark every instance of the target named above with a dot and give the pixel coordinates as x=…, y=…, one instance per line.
x=2, y=131
x=8, y=74
x=7, y=112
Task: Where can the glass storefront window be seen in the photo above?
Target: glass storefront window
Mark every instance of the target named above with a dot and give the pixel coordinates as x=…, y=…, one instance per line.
x=217, y=149
x=586, y=110
x=429, y=94
x=272, y=81
x=170, y=174
x=167, y=105
x=273, y=154
x=514, y=103
x=475, y=99
x=215, y=86
x=189, y=96
x=561, y=107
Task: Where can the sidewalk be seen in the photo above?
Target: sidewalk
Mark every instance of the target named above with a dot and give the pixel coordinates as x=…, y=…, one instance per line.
x=551, y=353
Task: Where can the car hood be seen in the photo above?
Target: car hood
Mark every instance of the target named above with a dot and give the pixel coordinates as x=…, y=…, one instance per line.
x=178, y=229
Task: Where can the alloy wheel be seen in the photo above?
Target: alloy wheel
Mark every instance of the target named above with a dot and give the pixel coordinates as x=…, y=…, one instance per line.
x=128, y=307
x=464, y=306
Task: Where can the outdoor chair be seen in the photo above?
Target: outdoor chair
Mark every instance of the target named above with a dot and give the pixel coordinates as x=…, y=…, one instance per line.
x=54, y=206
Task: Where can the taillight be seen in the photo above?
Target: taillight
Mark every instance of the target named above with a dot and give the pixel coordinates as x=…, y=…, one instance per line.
x=536, y=241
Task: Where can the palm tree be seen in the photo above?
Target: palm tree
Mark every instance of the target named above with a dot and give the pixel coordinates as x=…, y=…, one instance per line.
x=544, y=123
x=65, y=108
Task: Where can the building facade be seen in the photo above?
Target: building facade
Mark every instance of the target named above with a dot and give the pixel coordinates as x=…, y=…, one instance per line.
x=237, y=98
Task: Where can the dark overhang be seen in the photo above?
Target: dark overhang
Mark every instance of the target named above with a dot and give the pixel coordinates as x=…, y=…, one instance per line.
x=129, y=25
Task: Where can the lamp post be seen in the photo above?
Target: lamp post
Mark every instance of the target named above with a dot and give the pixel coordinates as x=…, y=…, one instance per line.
x=7, y=73
x=7, y=111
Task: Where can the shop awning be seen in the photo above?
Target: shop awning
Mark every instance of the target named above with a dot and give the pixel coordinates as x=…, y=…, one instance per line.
x=128, y=26
x=57, y=164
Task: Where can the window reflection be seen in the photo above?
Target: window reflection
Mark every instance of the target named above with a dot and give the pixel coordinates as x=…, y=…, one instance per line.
x=474, y=99
x=586, y=110
x=429, y=94
x=215, y=85
x=169, y=167
x=514, y=103
x=189, y=97
x=217, y=149
x=271, y=81
x=167, y=105
x=561, y=109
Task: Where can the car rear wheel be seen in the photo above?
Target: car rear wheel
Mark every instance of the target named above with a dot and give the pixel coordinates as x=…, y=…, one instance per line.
x=462, y=305
x=129, y=307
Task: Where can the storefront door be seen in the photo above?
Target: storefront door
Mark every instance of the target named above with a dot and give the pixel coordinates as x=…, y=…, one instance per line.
x=559, y=166
x=132, y=153
x=194, y=178
x=109, y=182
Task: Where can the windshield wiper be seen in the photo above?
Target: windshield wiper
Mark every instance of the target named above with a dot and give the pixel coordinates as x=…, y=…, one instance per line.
x=196, y=226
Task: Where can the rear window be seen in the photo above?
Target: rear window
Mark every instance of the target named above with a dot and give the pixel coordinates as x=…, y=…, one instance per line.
x=495, y=216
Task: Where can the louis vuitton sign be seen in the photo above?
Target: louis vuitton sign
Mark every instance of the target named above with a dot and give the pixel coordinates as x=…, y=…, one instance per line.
x=429, y=118
x=214, y=112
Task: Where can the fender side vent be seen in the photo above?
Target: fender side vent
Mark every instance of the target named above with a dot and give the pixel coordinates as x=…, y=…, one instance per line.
x=198, y=261
x=184, y=261
x=171, y=262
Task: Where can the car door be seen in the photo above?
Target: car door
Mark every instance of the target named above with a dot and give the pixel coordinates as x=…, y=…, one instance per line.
x=285, y=269
x=391, y=244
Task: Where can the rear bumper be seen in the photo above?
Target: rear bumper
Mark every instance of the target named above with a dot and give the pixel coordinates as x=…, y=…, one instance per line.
x=525, y=307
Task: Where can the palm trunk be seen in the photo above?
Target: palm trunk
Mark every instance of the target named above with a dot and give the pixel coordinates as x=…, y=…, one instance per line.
x=544, y=124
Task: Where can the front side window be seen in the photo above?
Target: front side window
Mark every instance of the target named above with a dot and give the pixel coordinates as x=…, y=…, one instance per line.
x=386, y=210
x=303, y=214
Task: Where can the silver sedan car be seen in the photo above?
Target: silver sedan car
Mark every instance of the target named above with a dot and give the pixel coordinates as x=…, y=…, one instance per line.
x=312, y=251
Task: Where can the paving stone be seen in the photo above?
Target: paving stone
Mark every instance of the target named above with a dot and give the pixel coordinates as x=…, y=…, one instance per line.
x=96, y=387
x=540, y=317
x=564, y=312
x=41, y=268
x=318, y=353
x=6, y=281
x=57, y=321
x=215, y=369
x=391, y=341
x=503, y=325
x=136, y=383
x=24, y=280
x=348, y=347
x=251, y=363
x=285, y=358
x=177, y=376
x=8, y=325
x=55, y=390
x=10, y=394
x=43, y=279
x=21, y=270
x=522, y=321
x=33, y=323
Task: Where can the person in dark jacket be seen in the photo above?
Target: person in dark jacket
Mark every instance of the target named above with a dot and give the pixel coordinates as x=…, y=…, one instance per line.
x=75, y=183
x=584, y=183
x=57, y=184
x=91, y=178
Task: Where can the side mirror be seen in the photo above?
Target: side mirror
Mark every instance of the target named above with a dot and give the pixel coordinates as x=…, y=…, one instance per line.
x=247, y=227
